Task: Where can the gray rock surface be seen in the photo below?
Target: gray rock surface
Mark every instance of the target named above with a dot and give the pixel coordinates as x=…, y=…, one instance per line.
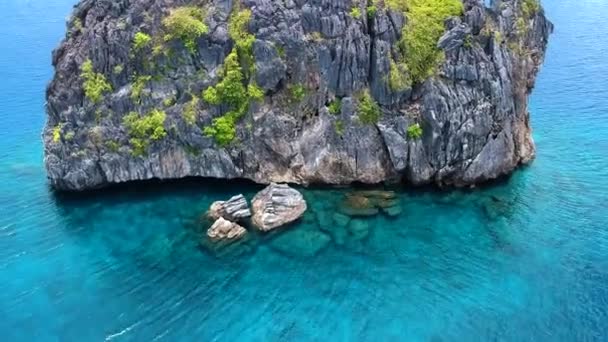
x=234, y=209
x=277, y=205
x=225, y=230
x=473, y=111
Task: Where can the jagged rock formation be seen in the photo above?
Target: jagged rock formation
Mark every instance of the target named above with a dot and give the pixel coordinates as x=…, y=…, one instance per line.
x=277, y=205
x=325, y=95
x=234, y=209
x=225, y=230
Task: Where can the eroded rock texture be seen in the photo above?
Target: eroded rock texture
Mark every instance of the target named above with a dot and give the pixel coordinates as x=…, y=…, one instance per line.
x=473, y=111
x=234, y=209
x=276, y=206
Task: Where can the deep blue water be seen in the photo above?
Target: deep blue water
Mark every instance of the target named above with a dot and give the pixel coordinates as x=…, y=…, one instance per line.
x=126, y=265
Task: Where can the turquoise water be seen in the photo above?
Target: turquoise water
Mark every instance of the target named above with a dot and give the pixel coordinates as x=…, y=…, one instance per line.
x=525, y=259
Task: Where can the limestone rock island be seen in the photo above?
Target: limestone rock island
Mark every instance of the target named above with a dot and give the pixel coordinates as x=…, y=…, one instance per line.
x=297, y=91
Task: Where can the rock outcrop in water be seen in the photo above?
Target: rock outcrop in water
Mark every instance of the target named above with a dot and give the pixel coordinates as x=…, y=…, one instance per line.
x=305, y=91
x=277, y=205
x=223, y=229
x=234, y=209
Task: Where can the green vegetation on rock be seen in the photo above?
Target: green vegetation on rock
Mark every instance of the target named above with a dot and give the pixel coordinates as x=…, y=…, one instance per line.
x=238, y=29
x=297, y=92
x=527, y=9
x=355, y=12
x=425, y=25
x=76, y=25
x=234, y=88
x=113, y=145
x=397, y=5
x=414, y=131
x=144, y=129
x=57, y=133
x=95, y=84
x=468, y=41
x=138, y=86
x=223, y=128
x=69, y=135
x=339, y=127
x=398, y=77
x=186, y=24
x=189, y=112
x=118, y=69
x=255, y=92
x=368, y=110
x=168, y=102
x=140, y=41
x=280, y=51
x=232, y=92
x=530, y=7
x=371, y=11
x=335, y=106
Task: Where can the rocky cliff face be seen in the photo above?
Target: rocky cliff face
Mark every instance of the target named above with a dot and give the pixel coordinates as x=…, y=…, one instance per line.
x=300, y=91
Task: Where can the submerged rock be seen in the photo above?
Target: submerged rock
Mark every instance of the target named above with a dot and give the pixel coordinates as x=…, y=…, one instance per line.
x=340, y=220
x=126, y=102
x=234, y=209
x=277, y=205
x=358, y=229
x=223, y=229
x=300, y=242
x=370, y=202
x=228, y=247
x=393, y=211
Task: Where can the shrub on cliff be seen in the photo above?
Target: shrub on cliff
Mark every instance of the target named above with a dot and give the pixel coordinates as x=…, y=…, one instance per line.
x=189, y=112
x=57, y=133
x=530, y=7
x=335, y=107
x=414, y=131
x=143, y=129
x=234, y=88
x=138, y=87
x=425, y=25
x=140, y=41
x=238, y=29
x=368, y=110
x=95, y=84
x=371, y=11
x=231, y=91
x=296, y=92
x=186, y=24
x=398, y=76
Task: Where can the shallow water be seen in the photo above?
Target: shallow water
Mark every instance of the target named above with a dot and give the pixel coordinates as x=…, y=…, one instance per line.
x=523, y=259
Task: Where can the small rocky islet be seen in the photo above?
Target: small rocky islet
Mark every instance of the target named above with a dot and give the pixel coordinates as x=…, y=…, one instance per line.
x=332, y=92
x=308, y=92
